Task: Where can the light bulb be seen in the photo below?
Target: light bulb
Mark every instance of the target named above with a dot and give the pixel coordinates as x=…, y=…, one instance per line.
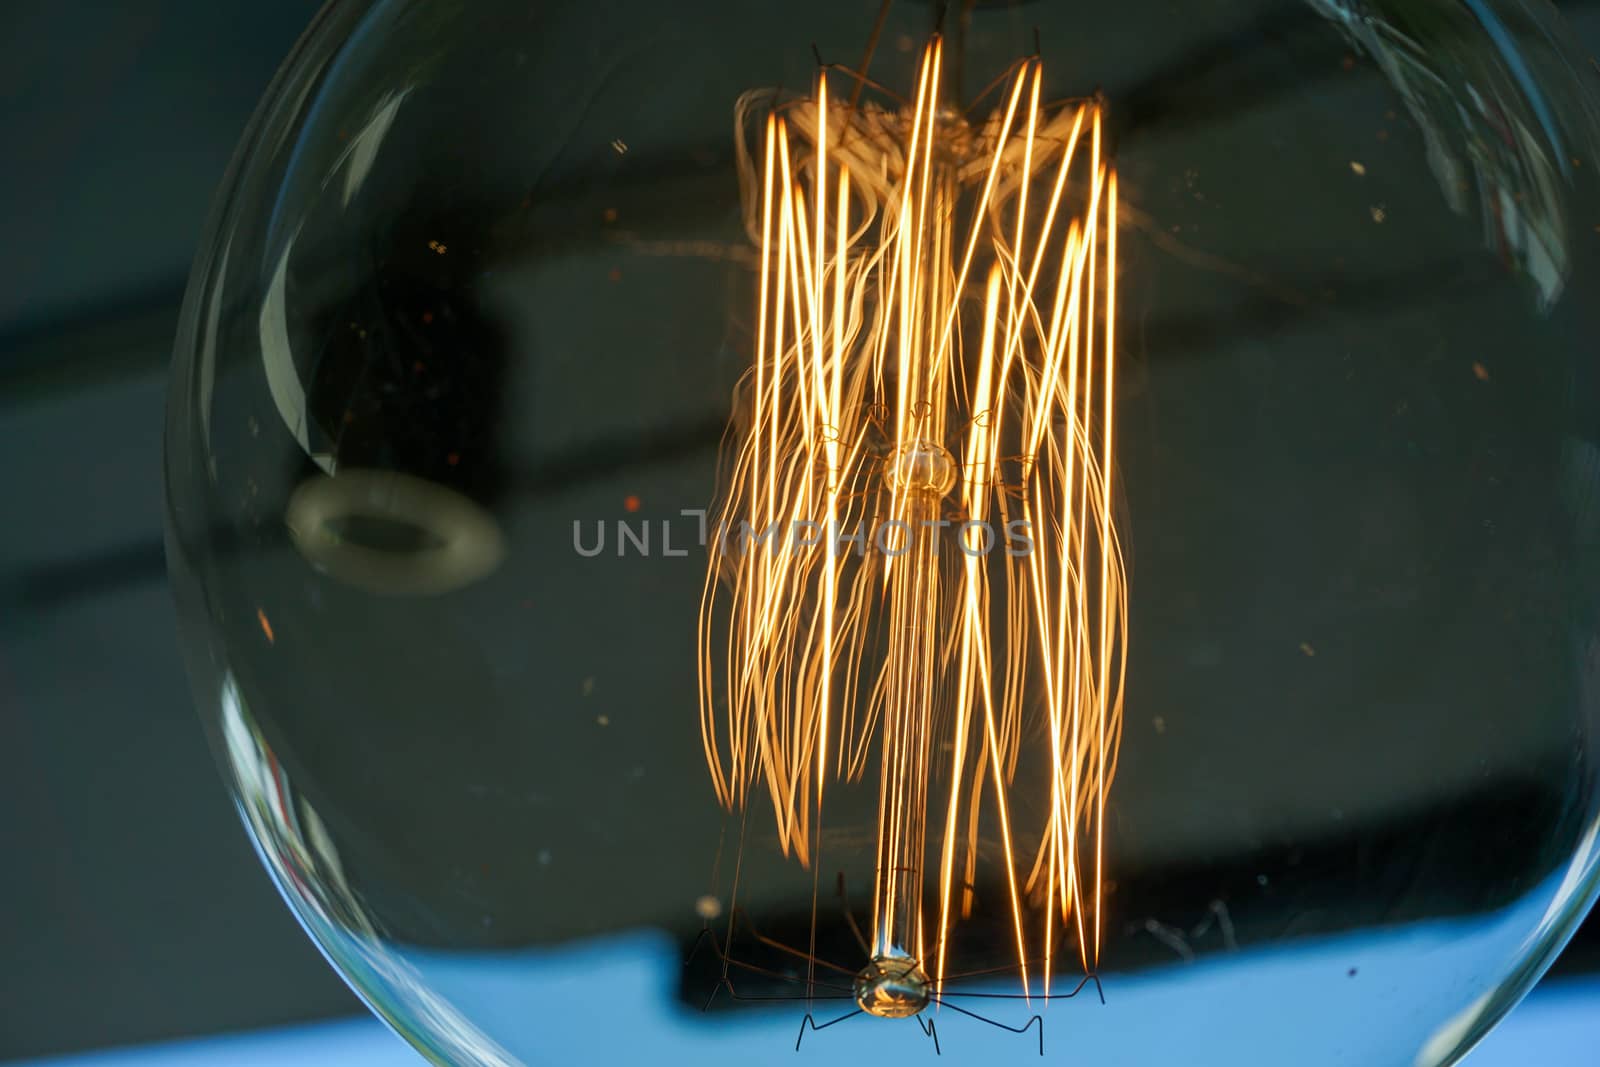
x=977, y=528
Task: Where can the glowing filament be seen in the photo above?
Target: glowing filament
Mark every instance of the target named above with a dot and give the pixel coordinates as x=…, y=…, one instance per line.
x=917, y=514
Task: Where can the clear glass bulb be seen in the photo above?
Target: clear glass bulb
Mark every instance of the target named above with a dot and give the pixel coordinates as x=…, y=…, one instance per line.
x=1268, y=736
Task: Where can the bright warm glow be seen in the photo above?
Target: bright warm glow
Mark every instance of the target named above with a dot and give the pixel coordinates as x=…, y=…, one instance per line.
x=934, y=341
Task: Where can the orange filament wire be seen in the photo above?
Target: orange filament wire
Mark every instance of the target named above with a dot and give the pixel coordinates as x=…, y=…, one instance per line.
x=867, y=407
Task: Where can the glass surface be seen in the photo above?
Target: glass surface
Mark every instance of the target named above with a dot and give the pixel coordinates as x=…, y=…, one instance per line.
x=464, y=363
